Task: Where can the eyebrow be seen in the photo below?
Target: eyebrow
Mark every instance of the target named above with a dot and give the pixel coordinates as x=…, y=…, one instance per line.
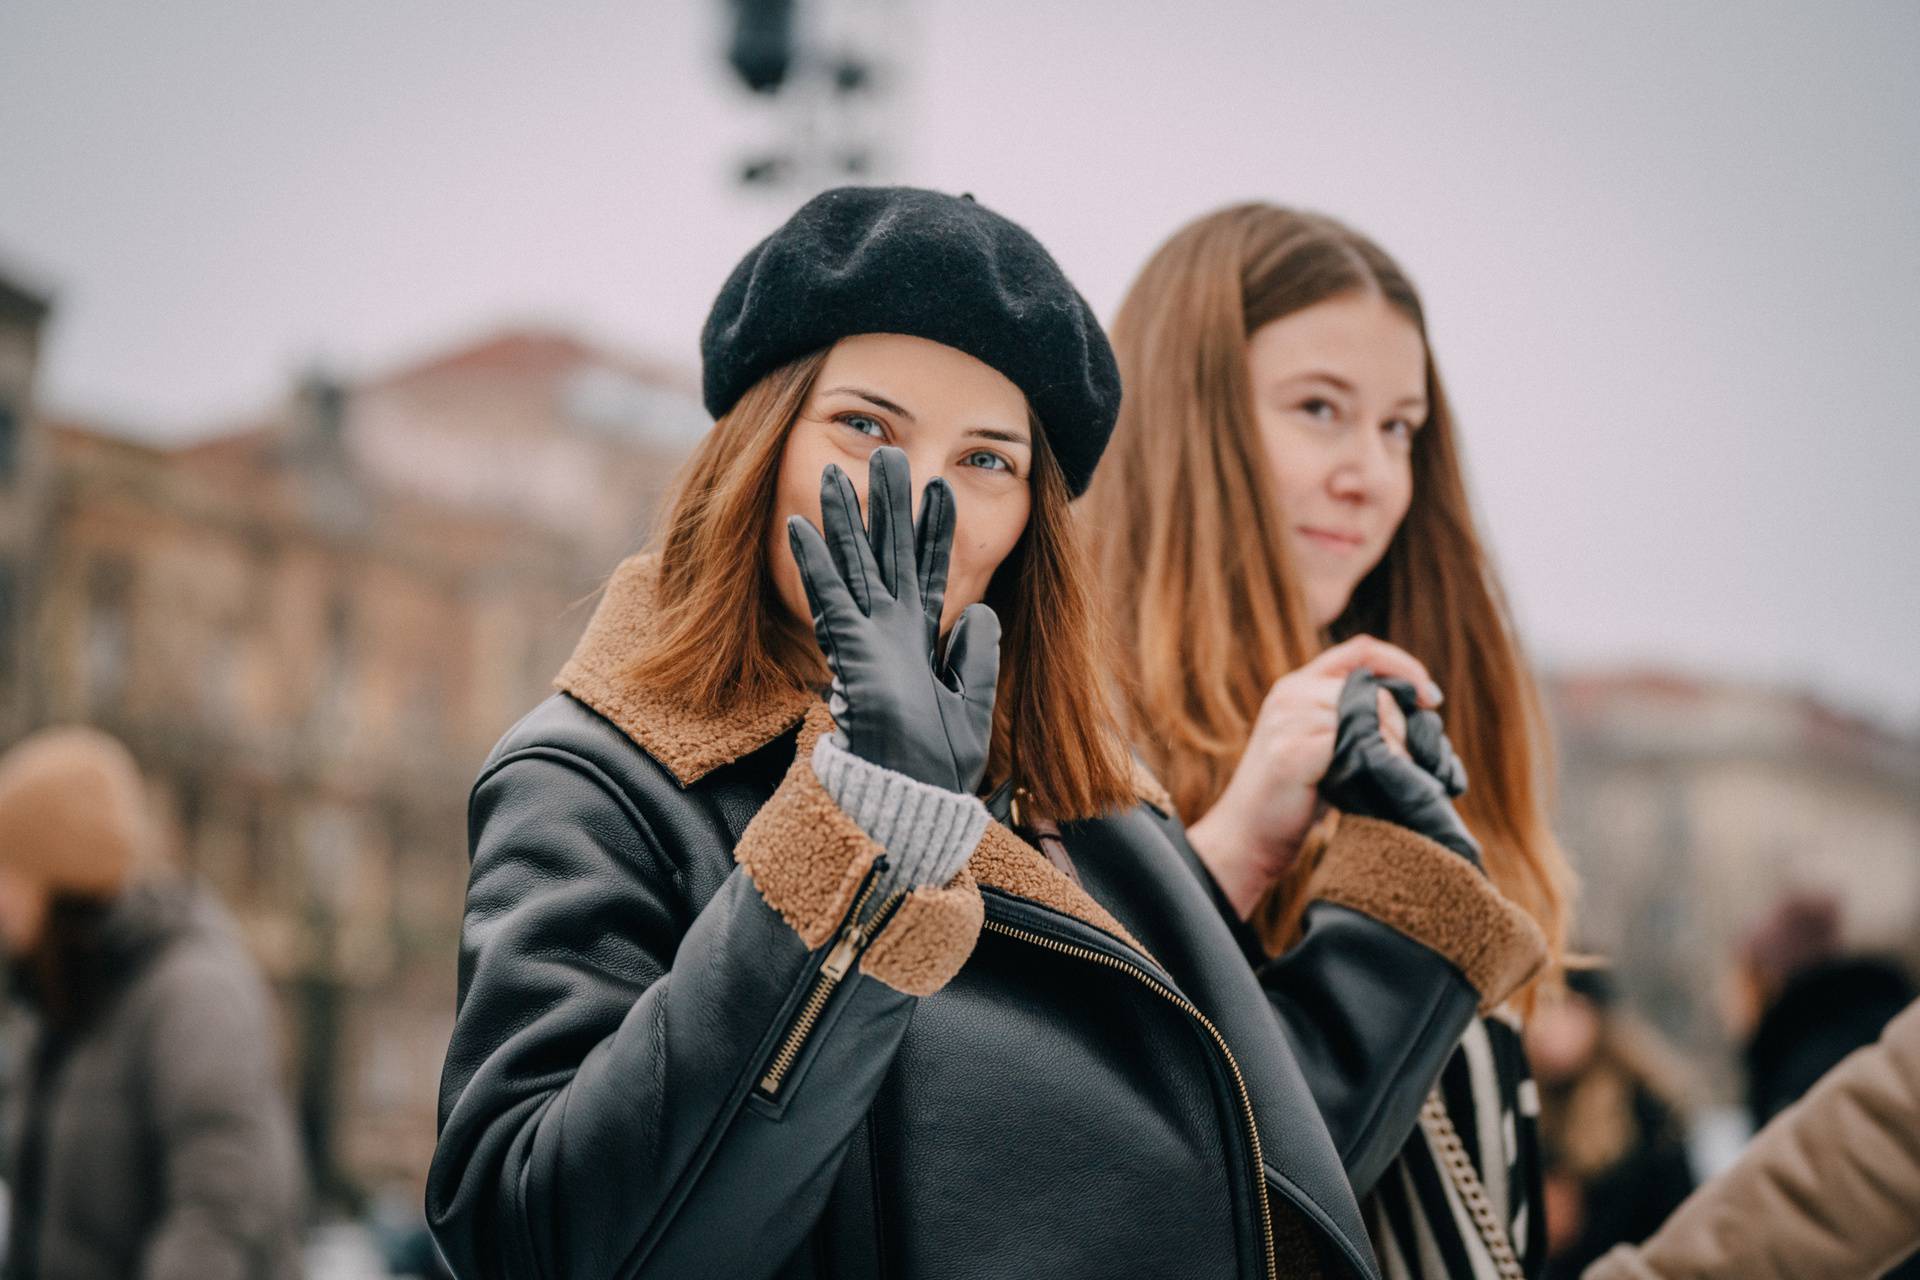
x=1342, y=384
x=1317, y=375
x=995, y=433
x=880, y=402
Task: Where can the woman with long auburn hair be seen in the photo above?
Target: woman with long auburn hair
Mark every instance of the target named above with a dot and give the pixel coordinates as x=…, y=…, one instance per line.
x=1282, y=506
x=821, y=925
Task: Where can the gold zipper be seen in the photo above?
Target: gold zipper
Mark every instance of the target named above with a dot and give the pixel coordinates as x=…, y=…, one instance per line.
x=839, y=961
x=1160, y=989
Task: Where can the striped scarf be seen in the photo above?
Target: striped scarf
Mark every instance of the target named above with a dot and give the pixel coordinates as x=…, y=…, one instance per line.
x=1469, y=1174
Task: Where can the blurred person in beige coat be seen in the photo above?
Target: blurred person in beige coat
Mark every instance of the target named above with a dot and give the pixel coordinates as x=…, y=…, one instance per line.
x=1829, y=1190
x=147, y=1135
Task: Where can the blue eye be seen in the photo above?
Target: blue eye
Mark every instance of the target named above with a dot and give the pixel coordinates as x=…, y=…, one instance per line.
x=987, y=460
x=865, y=424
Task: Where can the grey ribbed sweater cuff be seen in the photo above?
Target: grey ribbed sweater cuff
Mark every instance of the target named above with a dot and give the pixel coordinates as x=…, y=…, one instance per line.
x=927, y=831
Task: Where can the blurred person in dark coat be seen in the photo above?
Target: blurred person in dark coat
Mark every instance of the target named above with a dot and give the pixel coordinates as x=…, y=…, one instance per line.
x=147, y=1133
x=1823, y=1015
x=1809, y=1005
x=1610, y=1125
x=1807, y=1002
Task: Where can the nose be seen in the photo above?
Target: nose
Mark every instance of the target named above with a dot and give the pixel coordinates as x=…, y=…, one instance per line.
x=1362, y=467
x=922, y=466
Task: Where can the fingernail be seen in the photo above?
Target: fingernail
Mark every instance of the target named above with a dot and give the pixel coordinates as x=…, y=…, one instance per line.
x=1433, y=694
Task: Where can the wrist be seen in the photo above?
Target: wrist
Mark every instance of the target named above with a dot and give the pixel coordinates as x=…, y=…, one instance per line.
x=1243, y=864
x=928, y=831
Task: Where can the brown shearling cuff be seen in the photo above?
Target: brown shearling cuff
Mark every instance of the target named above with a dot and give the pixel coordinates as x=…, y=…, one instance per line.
x=1434, y=896
x=807, y=858
x=929, y=938
x=803, y=853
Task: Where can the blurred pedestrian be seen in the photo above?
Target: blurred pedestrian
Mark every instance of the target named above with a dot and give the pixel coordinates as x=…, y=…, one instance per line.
x=1822, y=1015
x=1829, y=1189
x=1282, y=504
x=1807, y=1002
x=148, y=1136
x=1610, y=1124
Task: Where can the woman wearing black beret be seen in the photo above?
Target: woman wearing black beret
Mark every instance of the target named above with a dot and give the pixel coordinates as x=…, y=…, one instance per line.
x=915, y=978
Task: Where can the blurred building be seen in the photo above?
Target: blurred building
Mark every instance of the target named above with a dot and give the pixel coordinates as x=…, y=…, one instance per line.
x=22, y=314
x=310, y=629
x=1691, y=806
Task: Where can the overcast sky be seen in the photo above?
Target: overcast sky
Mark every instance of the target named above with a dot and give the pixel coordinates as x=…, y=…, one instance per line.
x=1671, y=252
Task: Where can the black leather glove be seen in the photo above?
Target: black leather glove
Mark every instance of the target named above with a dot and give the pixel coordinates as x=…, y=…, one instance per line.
x=876, y=595
x=1369, y=778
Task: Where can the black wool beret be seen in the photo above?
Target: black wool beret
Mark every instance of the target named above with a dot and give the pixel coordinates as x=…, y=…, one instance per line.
x=902, y=260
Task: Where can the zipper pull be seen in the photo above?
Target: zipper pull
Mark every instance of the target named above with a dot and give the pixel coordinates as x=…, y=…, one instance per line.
x=840, y=959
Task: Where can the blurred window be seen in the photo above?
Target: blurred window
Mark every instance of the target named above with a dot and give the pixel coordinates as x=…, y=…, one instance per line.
x=190, y=807
x=257, y=834
x=109, y=631
x=11, y=623
x=424, y=713
x=623, y=407
x=9, y=437
x=332, y=709
x=219, y=678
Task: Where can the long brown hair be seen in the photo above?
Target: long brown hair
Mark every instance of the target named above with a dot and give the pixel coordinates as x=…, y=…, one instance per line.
x=1191, y=548
x=725, y=637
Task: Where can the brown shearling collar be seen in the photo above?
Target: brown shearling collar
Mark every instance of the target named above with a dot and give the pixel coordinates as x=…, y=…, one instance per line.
x=688, y=742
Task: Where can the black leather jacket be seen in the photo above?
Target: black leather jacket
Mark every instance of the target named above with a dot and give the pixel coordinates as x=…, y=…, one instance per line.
x=688, y=1045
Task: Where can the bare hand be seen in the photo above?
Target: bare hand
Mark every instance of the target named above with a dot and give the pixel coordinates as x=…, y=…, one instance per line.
x=1254, y=831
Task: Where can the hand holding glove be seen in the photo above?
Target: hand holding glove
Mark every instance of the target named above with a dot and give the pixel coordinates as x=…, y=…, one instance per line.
x=1369, y=778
